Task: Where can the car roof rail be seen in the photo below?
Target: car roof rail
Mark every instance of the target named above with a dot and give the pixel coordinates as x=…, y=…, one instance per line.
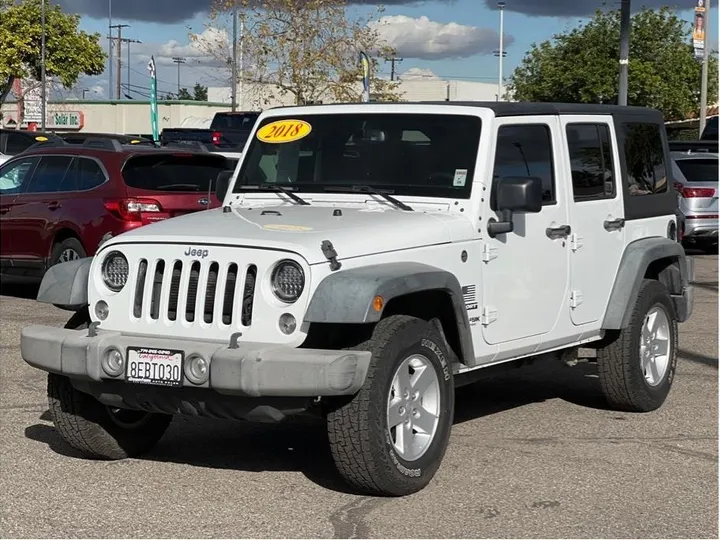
x=188, y=145
x=103, y=144
x=54, y=142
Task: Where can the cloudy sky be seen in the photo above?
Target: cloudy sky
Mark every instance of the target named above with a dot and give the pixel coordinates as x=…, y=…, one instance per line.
x=445, y=38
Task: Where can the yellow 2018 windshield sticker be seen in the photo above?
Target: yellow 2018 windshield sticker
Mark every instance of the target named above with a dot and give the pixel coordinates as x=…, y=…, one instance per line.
x=284, y=131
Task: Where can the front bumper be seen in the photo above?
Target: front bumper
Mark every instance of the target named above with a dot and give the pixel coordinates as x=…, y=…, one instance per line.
x=249, y=370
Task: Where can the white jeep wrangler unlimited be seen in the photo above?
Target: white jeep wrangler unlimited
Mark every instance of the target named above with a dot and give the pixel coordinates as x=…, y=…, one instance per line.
x=367, y=260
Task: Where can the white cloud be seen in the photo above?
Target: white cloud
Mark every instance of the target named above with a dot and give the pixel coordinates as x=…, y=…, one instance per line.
x=208, y=48
x=419, y=74
x=430, y=40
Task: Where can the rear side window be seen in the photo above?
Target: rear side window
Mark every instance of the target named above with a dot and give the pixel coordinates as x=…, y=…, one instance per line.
x=645, y=159
x=50, y=175
x=591, y=162
x=526, y=150
x=699, y=170
x=89, y=174
x=173, y=172
x=234, y=121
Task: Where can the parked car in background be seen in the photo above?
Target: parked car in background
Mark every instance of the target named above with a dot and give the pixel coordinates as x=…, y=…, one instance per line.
x=60, y=202
x=710, y=133
x=696, y=180
x=13, y=141
x=228, y=131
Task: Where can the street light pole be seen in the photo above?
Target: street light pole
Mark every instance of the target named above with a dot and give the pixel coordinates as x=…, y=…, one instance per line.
x=704, y=82
x=43, y=78
x=624, y=51
x=501, y=5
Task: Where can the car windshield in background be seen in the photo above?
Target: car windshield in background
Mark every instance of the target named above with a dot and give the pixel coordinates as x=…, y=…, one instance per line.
x=173, y=172
x=234, y=121
x=699, y=170
x=426, y=155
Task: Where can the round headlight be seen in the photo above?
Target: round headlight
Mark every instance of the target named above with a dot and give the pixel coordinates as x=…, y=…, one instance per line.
x=288, y=281
x=115, y=270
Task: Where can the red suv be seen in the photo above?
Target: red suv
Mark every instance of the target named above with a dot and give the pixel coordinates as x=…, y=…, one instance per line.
x=60, y=202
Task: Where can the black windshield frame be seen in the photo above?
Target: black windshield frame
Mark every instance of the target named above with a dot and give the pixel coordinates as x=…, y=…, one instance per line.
x=406, y=154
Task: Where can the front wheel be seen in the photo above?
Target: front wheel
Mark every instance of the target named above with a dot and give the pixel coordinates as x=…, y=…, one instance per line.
x=391, y=437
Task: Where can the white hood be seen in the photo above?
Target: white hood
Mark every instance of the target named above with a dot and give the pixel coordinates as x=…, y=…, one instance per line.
x=302, y=229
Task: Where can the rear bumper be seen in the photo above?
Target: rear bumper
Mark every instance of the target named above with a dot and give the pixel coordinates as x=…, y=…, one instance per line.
x=699, y=228
x=250, y=370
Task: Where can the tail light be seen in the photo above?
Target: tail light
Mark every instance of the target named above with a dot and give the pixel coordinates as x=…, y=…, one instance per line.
x=693, y=193
x=216, y=136
x=678, y=187
x=131, y=209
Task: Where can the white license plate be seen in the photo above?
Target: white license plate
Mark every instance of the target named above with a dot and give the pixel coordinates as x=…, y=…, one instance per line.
x=160, y=367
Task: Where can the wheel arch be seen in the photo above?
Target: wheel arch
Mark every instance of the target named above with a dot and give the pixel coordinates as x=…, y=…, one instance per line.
x=64, y=232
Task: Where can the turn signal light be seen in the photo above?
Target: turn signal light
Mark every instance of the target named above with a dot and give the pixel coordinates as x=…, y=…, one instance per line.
x=692, y=193
x=131, y=209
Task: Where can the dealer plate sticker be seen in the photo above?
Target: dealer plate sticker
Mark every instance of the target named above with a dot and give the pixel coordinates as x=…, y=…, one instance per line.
x=161, y=367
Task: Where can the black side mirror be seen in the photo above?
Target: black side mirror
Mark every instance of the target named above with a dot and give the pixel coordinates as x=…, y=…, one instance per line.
x=514, y=194
x=222, y=183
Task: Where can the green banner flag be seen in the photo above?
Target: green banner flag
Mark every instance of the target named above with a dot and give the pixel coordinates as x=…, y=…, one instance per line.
x=153, y=100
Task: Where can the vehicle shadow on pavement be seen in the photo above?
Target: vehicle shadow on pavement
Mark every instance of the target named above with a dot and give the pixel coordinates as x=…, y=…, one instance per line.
x=302, y=445
x=18, y=288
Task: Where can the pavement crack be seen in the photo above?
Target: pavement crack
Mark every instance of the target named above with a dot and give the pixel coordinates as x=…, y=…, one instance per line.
x=349, y=520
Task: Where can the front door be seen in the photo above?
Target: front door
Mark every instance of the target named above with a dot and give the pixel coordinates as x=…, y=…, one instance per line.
x=14, y=177
x=596, y=216
x=525, y=272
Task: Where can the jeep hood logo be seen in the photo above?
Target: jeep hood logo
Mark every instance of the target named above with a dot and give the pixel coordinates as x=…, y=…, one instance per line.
x=193, y=252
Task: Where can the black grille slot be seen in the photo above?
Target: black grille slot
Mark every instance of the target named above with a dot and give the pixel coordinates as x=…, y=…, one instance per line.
x=174, y=290
x=140, y=288
x=192, y=292
x=210, y=292
x=156, y=290
x=248, y=295
x=229, y=297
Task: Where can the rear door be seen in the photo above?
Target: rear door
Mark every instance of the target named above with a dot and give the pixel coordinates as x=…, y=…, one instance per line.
x=14, y=178
x=175, y=183
x=596, y=215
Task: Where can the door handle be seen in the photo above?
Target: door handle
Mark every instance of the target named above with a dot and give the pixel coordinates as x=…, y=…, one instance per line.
x=614, y=225
x=54, y=205
x=4, y=209
x=558, y=232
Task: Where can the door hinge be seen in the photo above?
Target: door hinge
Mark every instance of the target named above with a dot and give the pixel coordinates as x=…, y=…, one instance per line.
x=576, y=242
x=489, y=315
x=488, y=253
x=576, y=298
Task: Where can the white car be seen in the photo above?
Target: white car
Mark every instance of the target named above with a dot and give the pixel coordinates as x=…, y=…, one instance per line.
x=368, y=259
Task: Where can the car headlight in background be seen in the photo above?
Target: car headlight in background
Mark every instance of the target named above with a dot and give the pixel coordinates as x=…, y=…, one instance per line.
x=288, y=281
x=115, y=270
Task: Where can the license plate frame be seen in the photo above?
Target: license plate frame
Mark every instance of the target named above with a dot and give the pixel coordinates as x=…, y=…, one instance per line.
x=154, y=366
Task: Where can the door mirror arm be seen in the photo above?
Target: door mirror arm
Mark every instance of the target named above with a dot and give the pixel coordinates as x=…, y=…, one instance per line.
x=504, y=226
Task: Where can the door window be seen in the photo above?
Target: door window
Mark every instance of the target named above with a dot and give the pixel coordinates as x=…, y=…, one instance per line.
x=50, y=174
x=591, y=161
x=15, y=175
x=526, y=150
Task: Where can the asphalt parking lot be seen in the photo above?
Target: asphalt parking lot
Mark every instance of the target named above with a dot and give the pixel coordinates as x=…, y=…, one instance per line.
x=532, y=454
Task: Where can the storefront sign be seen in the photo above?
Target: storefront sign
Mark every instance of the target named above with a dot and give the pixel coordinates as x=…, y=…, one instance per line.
x=66, y=120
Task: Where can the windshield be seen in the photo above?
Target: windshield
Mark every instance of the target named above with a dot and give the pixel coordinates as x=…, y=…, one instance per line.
x=426, y=155
x=699, y=170
x=173, y=172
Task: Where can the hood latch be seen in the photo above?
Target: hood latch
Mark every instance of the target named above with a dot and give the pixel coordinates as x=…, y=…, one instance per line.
x=330, y=254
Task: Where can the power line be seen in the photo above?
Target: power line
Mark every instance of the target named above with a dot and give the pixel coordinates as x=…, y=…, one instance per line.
x=119, y=51
x=393, y=60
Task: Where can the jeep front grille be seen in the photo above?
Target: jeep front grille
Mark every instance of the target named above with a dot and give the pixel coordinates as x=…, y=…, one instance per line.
x=194, y=291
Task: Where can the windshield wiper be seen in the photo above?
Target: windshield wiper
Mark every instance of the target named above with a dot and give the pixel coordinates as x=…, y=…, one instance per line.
x=276, y=188
x=386, y=193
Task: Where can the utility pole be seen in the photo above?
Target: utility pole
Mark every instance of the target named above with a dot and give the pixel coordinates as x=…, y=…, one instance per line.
x=119, y=56
x=178, y=60
x=242, y=65
x=501, y=54
x=704, y=82
x=234, y=59
x=43, y=77
x=128, y=41
x=624, y=51
x=110, y=49
x=392, y=61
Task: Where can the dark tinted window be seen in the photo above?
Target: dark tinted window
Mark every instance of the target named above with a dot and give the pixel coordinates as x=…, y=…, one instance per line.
x=645, y=159
x=15, y=176
x=17, y=142
x=89, y=174
x=234, y=121
x=173, y=172
x=699, y=170
x=591, y=162
x=347, y=150
x=49, y=174
x=526, y=150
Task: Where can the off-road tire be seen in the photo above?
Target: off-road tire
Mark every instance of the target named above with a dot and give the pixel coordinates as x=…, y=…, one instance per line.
x=357, y=428
x=619, y=366
x=89, y=427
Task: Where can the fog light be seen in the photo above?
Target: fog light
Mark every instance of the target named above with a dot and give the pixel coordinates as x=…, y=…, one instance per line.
x=102, y=310
x=197, y=369
x=113, y=362
x=287, y=324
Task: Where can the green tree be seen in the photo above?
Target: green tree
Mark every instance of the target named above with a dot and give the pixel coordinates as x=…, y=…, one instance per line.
x=69, y=52
x=308, y=50
x=184, y=95
x=200, y=92
x=581, y=65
